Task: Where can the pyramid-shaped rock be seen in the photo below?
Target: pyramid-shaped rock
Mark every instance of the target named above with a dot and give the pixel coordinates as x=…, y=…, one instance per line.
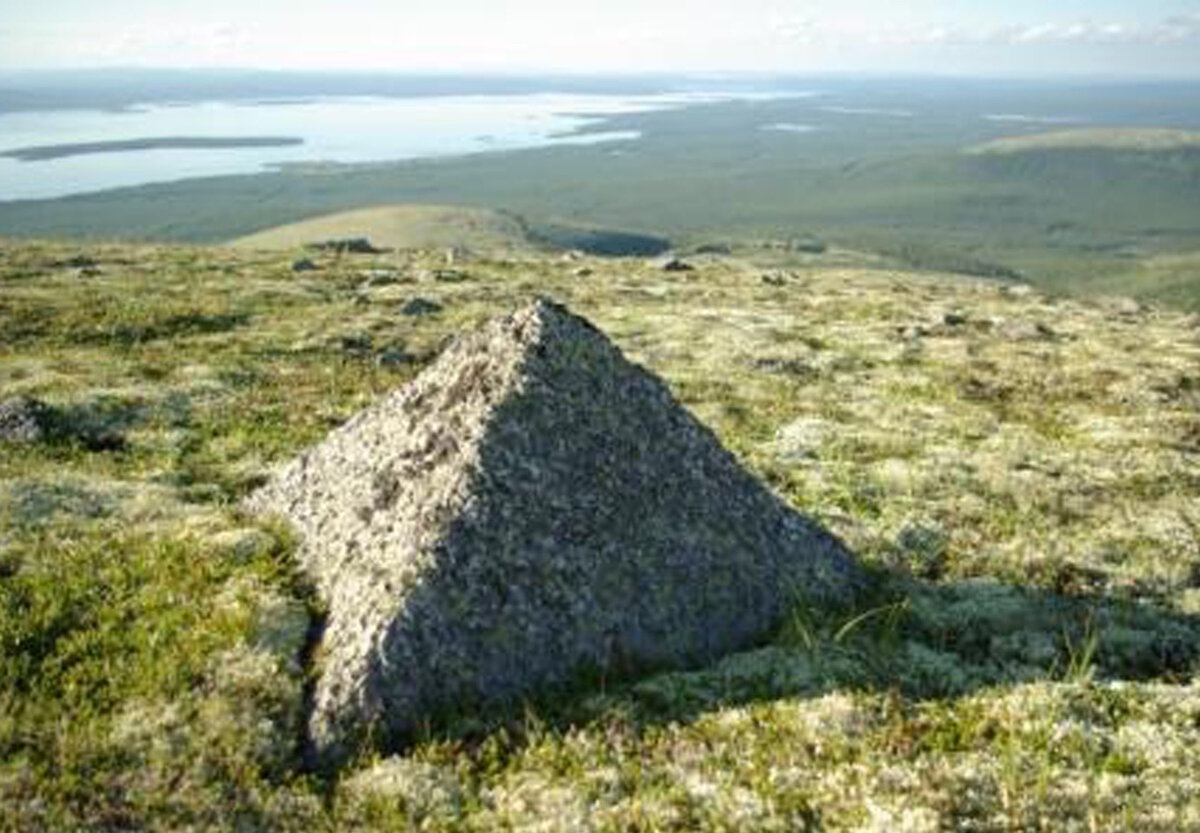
x=531, y=506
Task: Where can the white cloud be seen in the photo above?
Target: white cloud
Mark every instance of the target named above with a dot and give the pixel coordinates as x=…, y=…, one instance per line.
x=795, y=28
x=1180, y=27
x=1174, y=29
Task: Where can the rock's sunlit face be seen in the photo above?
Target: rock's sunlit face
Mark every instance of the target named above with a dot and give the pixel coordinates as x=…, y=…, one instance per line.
x=1158, y=37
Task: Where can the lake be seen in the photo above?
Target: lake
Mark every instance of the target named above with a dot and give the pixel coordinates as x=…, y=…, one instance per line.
x=114, y=148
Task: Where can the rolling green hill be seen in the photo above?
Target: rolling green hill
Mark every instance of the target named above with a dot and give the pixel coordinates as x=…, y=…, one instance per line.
x=399, y=227
x=1148, y=140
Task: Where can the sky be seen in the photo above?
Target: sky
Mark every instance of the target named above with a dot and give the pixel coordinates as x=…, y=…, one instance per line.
x=946, y=37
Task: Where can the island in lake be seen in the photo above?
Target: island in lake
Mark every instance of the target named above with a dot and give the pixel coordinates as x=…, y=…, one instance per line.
x=43, y=153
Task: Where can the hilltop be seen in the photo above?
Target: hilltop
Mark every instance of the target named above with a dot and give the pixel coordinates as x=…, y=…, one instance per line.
x=399, y=226
x=1145, y=140
x=1018, y=471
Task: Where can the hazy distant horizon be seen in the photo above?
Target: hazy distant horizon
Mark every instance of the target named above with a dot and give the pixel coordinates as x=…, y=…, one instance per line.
x=559, y=73
x=1155, y=38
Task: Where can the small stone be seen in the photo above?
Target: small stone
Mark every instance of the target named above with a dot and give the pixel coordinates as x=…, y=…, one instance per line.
x=420, y=307
x=356, y=342
x=583, y=272
x=674, y=264
x=798, y=368
x=24, y=421
x=1028, y=331
x=801, y=440
x=1128, y=307
x=76, y=262
x=774, y=278
x=394, y=357
x=954, y=319
x=304, y=264
x=380, y=277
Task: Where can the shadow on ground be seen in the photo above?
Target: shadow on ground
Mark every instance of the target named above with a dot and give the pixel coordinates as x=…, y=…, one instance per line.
x=922, y=640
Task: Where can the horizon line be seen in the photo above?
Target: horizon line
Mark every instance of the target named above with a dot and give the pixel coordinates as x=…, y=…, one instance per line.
x=536, y=72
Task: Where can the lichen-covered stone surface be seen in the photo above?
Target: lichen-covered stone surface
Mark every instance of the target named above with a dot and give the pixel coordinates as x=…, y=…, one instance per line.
x=530, y=507
x=22, y=420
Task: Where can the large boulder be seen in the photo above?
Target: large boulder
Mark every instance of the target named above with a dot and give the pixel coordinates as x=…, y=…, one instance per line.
x=530, y=507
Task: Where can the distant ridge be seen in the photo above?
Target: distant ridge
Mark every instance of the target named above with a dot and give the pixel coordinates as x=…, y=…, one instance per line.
x=46, y=153
x=1094, y=138
x=399, y=227
x=416, y=226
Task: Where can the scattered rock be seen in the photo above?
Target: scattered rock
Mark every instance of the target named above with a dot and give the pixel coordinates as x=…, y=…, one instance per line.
x=304, y=264
x=976, y=389
x=800, y=440
x=356, y=342
x=1028, y=331
x=674, y=264
x=1128, y=307
x=394, y=357
x=420, y=307
x=531, y=506
x=798, y=368
x=583, y=272
x=912, y=332
x=97, y=427
x=1017, y=290
x=380, y=277
x=76, y=262
x=955, y=319
x=774, y=278
x=24, y=421
x=348, y=245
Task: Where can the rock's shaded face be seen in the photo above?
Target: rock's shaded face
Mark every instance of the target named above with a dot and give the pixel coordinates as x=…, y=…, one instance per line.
x=531, y=506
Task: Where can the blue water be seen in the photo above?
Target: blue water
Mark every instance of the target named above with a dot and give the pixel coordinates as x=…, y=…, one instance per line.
x=333, y=129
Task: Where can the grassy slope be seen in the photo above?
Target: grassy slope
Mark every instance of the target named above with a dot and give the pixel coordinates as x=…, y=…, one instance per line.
x=1022, y=471
x=398, y=226
x=1134, y=139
